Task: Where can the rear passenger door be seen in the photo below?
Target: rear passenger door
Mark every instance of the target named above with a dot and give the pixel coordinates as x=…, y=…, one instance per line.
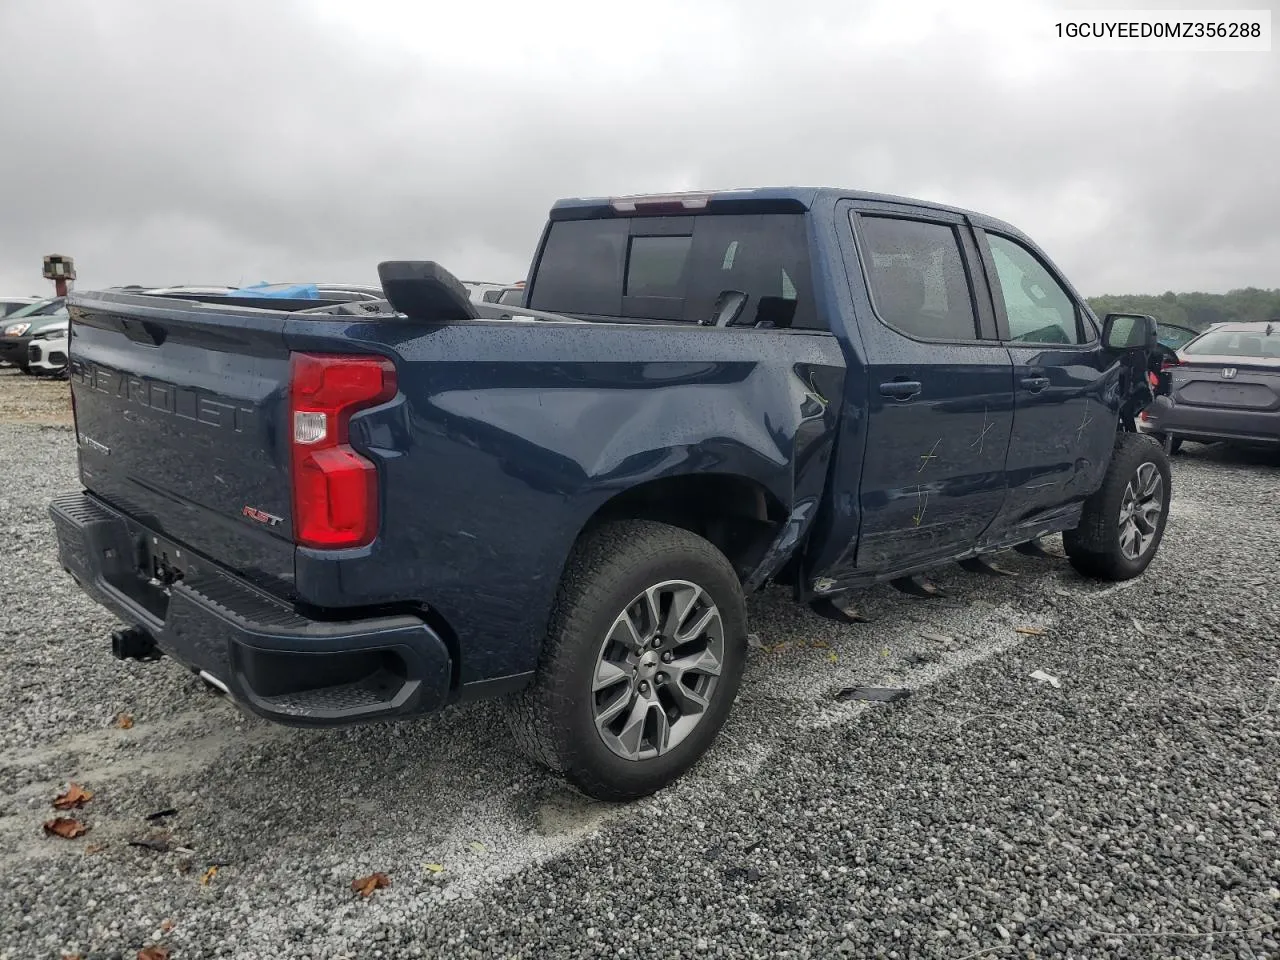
x=940, y=386
x=1064, y=421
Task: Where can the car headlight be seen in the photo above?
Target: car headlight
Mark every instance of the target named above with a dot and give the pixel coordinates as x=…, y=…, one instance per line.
x=16, y=329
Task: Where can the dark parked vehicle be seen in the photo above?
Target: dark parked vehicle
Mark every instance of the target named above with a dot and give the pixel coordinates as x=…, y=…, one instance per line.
x=10, y=305
x=338, y=518
x=1174, y=336
x=21, y=327
x=1224, y=385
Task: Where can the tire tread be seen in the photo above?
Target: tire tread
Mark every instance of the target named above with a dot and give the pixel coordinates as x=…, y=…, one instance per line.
x=603, y=557
x=1091, y=547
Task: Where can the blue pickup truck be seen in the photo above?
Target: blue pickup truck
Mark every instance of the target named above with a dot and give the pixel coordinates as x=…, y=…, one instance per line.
x=341, y=512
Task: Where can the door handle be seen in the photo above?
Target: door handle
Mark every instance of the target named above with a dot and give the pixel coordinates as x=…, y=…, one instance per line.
x=1035, y=384
x=900, y=389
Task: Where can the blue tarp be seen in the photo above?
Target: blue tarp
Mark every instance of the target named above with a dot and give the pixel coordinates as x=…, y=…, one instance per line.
x=297, y=291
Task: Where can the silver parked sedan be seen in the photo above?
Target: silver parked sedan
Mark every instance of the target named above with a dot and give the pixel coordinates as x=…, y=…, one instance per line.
x=1224, y=385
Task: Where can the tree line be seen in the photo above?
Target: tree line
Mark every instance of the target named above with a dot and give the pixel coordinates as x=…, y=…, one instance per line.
x=1194, y=310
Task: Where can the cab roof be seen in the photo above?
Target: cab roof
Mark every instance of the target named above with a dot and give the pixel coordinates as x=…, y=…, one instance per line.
x=755, y=199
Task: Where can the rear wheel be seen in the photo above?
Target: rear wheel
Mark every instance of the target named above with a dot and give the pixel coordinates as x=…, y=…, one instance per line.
x=642, y=662
x=1124, y=521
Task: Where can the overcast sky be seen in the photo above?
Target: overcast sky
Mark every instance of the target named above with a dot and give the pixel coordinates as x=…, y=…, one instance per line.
x=207, y=141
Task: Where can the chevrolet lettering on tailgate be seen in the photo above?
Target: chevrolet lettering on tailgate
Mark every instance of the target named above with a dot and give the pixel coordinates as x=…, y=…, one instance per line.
x=183, y=402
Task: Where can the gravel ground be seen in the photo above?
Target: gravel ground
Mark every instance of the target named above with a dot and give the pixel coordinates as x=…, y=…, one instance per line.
x=1130, y=812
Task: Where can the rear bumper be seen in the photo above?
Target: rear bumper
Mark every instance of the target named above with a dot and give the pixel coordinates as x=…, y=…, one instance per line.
x=280, y=665
x=1212, y=423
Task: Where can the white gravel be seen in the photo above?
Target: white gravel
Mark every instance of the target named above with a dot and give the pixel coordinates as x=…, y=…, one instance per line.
x=1130, y=813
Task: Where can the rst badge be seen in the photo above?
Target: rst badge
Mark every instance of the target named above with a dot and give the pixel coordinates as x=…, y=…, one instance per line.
x=253, y=513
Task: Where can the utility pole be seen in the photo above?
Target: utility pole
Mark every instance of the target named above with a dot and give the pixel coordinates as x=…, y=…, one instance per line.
x=60, y=270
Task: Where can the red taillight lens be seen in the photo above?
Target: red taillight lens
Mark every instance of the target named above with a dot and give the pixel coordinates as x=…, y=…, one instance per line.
x=335, y=489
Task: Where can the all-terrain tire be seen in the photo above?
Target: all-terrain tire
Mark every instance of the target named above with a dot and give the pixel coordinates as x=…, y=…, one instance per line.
x=1094, y=547
x=552, y=720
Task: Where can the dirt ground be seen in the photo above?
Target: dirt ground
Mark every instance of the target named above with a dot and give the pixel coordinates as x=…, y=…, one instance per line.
x=37, y=400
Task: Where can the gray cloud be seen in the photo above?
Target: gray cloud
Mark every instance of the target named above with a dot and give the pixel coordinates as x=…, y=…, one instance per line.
x=215, y=142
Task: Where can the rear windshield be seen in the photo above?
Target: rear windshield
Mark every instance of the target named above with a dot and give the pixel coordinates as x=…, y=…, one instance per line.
x=1236, y=343
x=676, y=268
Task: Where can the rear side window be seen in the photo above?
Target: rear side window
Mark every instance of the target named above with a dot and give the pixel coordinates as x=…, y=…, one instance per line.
x=918, y=280
x=676, y=268
x=1236, y=343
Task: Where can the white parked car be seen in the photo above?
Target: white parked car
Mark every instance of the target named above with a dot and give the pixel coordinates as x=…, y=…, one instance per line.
x=47, y=351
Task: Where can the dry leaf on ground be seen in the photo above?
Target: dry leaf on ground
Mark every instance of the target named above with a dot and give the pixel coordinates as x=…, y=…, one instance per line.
x=1030, y=631
x=153, y=953
x=366, y=885
x=208, y=875
x=93, y=848
x=74, y=796
x=65, y=827
x=435, y=868
x=124, y=721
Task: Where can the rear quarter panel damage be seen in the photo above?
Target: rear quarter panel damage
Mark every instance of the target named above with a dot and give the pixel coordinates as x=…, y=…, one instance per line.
x=494, y=464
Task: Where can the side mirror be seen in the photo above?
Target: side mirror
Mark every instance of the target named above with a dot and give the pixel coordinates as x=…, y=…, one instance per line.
x=1130, y=331
x=425, y=291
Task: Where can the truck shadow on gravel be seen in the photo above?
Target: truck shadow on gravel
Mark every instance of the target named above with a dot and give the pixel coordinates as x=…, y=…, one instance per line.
x=443, y=804
x=449, y=790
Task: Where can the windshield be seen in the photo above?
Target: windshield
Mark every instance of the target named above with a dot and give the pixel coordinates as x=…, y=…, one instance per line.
x=1236, y=343
x=35, y=309
x=1173, y=336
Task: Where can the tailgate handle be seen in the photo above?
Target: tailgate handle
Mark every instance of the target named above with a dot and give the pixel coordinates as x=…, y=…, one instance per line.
x=140, y=331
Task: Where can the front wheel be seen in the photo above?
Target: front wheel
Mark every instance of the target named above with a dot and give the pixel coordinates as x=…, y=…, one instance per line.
x=642, y=662
x=1123, y=522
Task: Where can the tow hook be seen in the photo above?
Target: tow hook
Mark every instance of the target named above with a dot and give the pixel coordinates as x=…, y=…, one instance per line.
x=134, y=643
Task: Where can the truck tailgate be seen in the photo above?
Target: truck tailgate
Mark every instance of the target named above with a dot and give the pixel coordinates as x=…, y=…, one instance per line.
x=181, y=413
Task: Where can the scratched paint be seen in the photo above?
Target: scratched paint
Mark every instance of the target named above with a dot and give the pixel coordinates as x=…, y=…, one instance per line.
x=922, y=504
x=980, y=441
x=925, y=458
x=1085, y=419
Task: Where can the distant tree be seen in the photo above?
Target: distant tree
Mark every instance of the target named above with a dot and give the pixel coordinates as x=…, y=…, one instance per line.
x=1195, y=310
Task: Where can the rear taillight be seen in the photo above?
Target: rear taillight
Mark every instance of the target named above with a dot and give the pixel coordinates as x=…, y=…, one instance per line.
x=335, y=489
x=1167, y=364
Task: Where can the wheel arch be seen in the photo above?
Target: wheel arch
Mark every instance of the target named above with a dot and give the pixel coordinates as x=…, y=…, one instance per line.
x=737, y=514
